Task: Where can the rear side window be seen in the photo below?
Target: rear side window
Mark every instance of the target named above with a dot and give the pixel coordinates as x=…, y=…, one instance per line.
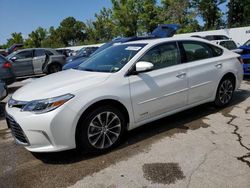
x=196, y=51
x=24, y=54
x=163, y=55
x=39, y=52
x=216, y=50
x=49, y=53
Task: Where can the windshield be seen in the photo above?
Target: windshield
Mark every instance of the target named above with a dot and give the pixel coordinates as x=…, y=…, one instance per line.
x=247, y=43
x=229, y=45
x=112, y=59
x=82, y=51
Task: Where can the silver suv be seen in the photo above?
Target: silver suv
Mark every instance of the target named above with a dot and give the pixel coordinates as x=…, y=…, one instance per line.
x=36, y=61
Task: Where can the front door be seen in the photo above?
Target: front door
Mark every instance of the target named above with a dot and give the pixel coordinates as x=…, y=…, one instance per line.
x=22, y=63
x=163, y=89
x=39, y=60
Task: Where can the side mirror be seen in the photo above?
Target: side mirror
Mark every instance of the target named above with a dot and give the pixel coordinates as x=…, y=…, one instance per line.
x=13, y=58
x=143, y=66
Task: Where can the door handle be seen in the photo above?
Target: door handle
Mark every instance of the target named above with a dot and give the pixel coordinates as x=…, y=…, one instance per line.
x=181, y=75
x=218, y=66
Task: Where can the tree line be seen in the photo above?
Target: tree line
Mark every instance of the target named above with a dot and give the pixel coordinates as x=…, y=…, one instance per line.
x=138, y=17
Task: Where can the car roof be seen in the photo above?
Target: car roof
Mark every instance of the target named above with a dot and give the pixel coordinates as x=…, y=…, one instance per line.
x=34, y=49
x=160, y=40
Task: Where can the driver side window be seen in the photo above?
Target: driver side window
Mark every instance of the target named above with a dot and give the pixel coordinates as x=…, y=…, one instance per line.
x=24, y=55
x=163, y=55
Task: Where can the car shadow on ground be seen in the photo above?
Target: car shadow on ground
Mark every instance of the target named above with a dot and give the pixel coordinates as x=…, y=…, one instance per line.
x=179, y=123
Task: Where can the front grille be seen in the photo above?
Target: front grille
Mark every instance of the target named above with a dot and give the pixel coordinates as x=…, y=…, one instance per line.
x=16, y=130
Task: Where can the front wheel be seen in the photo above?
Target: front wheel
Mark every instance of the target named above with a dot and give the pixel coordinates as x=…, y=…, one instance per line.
x=101, y=130
x=225, y=92
x=53, y=68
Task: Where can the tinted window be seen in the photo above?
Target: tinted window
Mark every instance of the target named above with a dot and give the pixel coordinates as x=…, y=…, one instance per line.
x=163, y=55
x=247, y=43
x=196, y=51
x=216, y=37
x=49, y=53
x=39, y=52
x=24, y=54
x=216, y=50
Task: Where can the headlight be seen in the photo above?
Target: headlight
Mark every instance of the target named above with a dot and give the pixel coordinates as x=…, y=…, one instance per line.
x=46, y=105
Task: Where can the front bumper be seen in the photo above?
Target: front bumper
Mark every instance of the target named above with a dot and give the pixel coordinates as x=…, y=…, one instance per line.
x=48, y=132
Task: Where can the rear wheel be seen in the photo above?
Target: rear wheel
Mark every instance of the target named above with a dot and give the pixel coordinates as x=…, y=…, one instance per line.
x=101, y=130
x=54, y=67
x=225, y=92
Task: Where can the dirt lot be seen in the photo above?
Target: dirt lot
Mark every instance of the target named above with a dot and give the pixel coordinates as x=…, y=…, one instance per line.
x=201, y=147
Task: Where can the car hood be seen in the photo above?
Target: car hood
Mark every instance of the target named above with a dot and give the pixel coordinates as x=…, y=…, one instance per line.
x=245, y=47
x=61, y=83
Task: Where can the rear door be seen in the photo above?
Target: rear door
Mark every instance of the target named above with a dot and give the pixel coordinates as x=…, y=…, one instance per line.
x=22, y=63
x=163, y=89
x=203, y=69
x=38, y=60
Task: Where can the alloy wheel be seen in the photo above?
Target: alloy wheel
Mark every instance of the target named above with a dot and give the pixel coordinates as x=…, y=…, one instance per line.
x=226, y=91
x=104, y=130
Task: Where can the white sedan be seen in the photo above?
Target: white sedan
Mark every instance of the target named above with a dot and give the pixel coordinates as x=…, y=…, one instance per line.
x=119, y=89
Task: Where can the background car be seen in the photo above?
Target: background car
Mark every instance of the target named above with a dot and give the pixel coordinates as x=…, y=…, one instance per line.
x=14, y=48
x=228, y=44
x=66, y=52
x=162, y=31
x=245, y=55
x=6, y=72
x=3, y=52
x=3, y=90
x=216, y=37
x=84, y=52
x=36, y=61
x=3, y=94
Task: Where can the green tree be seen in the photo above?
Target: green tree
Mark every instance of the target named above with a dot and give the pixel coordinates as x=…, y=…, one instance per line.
x=180, y=12
x=149, y=16
x=71, y=31
x=209, y=12
x=104, y=26
x=36, y=37
x=53, y=39
x=126, y=16
x=15, y=38
x=238, y=13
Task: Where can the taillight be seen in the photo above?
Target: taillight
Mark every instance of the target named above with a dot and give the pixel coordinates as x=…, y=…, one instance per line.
x=7, y=65
x=240, y=60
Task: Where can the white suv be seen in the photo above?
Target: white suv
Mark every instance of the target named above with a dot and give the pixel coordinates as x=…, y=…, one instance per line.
x=119, y=89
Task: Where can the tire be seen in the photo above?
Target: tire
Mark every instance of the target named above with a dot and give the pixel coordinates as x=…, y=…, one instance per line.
x=224, y=92
x=54, y=67
x=101, y=130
